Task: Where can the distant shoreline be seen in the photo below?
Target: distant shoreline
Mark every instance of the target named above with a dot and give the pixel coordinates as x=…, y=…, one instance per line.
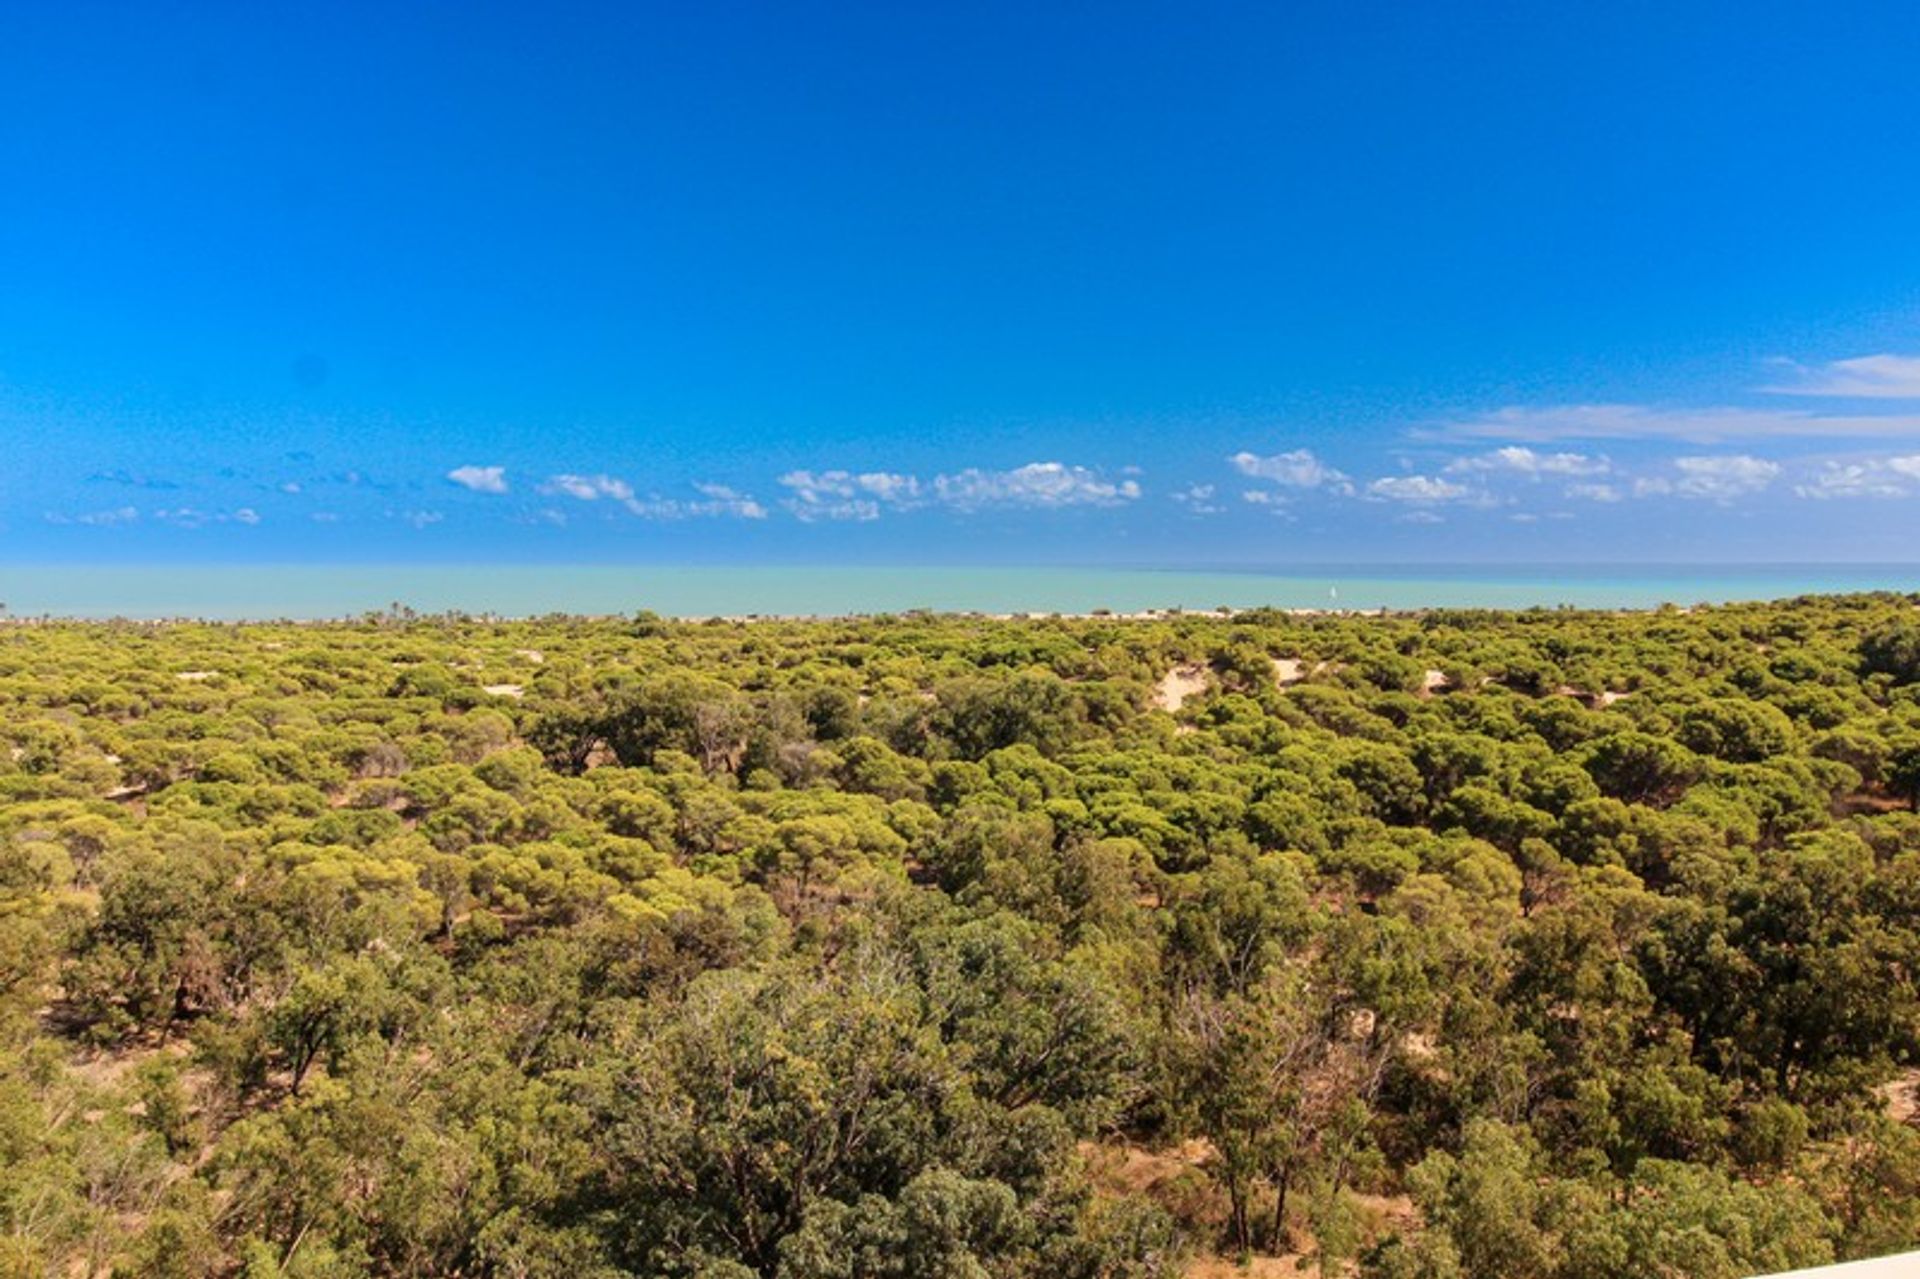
x=1138, y=616
x=215, y=593
x=753, y=619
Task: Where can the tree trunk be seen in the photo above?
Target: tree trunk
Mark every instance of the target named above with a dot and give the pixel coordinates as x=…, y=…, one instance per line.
x=1242, y=1228
x=1282, y=1181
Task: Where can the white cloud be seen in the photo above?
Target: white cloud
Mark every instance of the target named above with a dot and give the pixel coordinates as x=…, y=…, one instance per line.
x=1298, y=469
x=422, y=519
x=834, y=495
x=898, y=490
x=1037, y=484
x=817, y=486
x=716, y=500
x=1417, y=489
x=1273, y=503
x=481, y=479
x=1717, y=479
x=856, y=509
x=1594, y=492
x=1884, y=376
x=588, y=488
x=1198, y=498
x=193, y=517
x=1712, y=425
x=1871, y=477
x=843, y=495
x=1520, y=460
x=97, y=519
x=1421, y=516
x=1851, y=479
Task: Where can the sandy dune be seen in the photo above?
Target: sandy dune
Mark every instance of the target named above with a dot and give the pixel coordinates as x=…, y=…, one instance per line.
x=1179, y=684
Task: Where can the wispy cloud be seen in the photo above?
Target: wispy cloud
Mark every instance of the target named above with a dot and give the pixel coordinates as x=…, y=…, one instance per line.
x=889, y=487
x=97, y=519
x=195, y=517
x=1268, y=500
x=1520, y=460
x=1418, y=489
x=1296, y=469
x=1712, y=425
x=1037, y=484
x=845, y=495
x=1198, y=498
x=1717, y=479
x=480, y=479
x=715, y=500
x=855, y=509
x=1873, y=477
x=1884, y=376
x=588, y=488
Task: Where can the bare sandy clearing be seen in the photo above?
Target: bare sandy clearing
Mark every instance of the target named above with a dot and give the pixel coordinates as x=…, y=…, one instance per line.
x=1295, y=670
x=1901, y=1096
x=1597, y=701
x=1178, y=685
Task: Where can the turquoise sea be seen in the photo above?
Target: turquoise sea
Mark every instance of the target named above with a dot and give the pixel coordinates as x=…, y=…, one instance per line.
x=308, y=591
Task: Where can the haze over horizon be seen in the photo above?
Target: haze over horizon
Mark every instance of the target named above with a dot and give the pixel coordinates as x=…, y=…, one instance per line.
x=757, y=284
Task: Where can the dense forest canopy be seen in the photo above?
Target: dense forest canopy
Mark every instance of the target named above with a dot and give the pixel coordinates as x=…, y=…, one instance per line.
x=1543, y=945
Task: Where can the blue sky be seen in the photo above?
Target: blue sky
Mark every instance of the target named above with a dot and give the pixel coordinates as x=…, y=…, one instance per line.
x=999, y=283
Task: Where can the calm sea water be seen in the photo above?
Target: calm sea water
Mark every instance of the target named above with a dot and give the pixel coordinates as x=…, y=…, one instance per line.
x=320, y=591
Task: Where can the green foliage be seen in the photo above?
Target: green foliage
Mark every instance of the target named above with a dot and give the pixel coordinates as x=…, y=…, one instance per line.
x=1892, y=649
x=935, y=947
